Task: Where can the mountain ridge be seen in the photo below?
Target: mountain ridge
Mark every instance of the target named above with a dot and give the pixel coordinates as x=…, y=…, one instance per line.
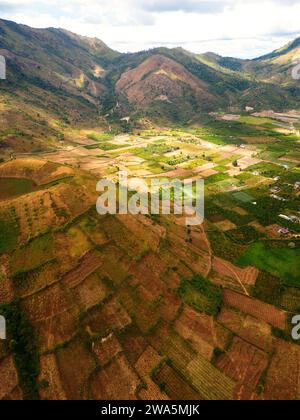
x=78, y=78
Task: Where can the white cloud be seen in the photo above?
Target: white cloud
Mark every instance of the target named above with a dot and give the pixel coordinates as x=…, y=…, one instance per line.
x=244, y=28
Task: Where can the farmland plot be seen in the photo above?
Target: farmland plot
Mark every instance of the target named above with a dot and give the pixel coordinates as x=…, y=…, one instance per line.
x=248, y=328
x=209, y=381
x=145, y=366
x=263, y=311
x=49, y=372
x=115, y=380
x=175, y=386
x=283, y=380
x=75, y=364
x=9, y=376
x=244, y=363
x=106, y=349
x=200, y=330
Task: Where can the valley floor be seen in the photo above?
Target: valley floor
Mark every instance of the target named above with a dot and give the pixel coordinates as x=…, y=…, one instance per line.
x=126, y=307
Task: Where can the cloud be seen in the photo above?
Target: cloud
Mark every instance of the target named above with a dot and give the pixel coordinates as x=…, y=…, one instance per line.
x=243, y=28
x=194, y=6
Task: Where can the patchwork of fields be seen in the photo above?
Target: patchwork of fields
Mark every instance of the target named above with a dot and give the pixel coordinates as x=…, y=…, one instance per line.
x=144, y=307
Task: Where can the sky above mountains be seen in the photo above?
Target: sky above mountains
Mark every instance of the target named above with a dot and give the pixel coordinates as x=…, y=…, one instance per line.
x=240, y=28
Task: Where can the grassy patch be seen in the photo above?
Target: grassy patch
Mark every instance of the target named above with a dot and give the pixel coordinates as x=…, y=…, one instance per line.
x=100, y=137
x=9, y=233
x=280, y=262
x=33, y=255
x=12, y=187
x=243, y=197
x=201, y=295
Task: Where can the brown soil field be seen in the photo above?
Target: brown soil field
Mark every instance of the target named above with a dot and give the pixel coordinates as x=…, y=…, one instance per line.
x=262, y=311
x=134, y=344
x=76, y=365
x=49, y=372
x=91, y=292
x=118, y=378
x=143, y=227
x=111, y=316
x=107, y=349
x=248, y=328
x=243, y=363
x=225, y=225
x=175, y=386
x=9, y=377
x=242, y=393
x=53, y=315
x=15, y=395
x=207, y=173
x=144, y=366
x=21, y=168
x=200, y=331
x=170, y=306
x=47, y=303
x=228, y=274
x=199, y=261
x=283, y=378
x=149, y=270
x=87, y=265
x=56, y=330
x=141, y=305
x=38, y=211
x=6, y=290
x=35, y=281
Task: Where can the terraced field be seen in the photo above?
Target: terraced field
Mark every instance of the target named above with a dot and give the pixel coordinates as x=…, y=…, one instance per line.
x=145, y=307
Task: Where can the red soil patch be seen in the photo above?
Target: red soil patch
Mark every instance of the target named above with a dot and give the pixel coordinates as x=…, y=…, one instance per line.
x=149, y=270
x=283, y=377
x=53, y=314
x=144, y=366
x=244, y=363
x=9, y=377
x=76, y=364
x=115, y=381
x=91, y=292
x=15, y=395
x=240, y=277
x=260, y=310
x=106, y=349
x=88, y=264
x=200, y=330
x=225, y=225
x=243, y=393
x=111, y=317
x=49, y=372
x=56, y=330
x=248, y=328
x=6, y=289
x=134, y=344
x=175, y=386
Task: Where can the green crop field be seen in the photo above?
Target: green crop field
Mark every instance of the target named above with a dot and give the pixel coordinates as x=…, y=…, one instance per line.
x=281, y=262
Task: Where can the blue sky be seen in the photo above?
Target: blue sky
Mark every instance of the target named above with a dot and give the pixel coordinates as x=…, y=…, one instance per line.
x=240, y=28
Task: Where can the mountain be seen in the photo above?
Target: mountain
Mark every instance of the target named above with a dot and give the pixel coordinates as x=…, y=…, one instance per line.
x=55, y=77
